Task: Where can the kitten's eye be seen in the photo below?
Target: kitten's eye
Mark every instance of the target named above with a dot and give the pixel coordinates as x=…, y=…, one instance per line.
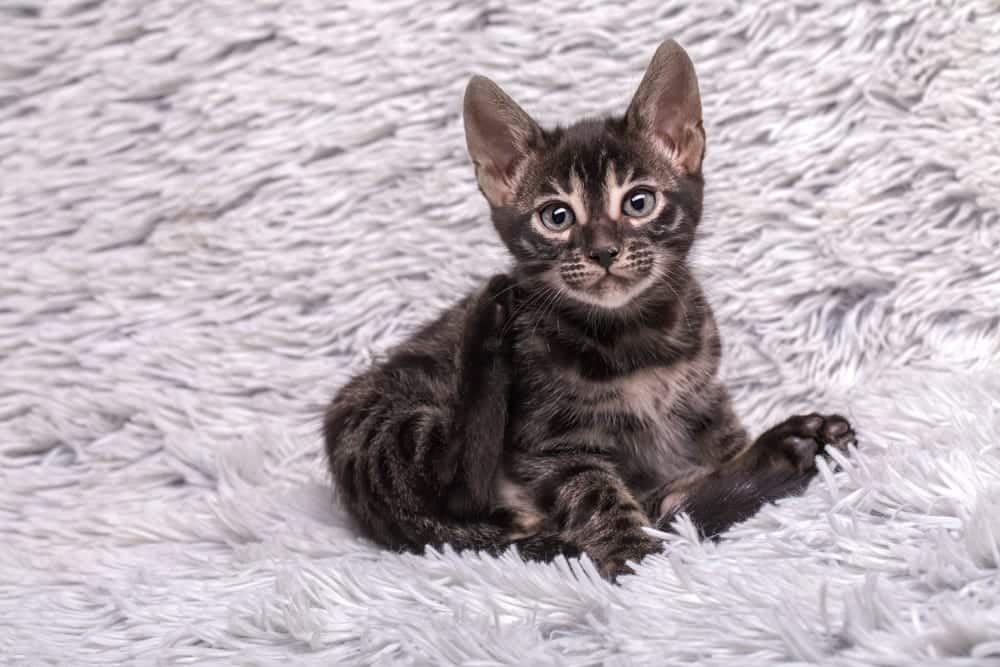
x=639, y=203
x=557, y=217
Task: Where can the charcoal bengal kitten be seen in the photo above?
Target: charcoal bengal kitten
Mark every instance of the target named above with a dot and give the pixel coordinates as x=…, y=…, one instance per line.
x=566, y=406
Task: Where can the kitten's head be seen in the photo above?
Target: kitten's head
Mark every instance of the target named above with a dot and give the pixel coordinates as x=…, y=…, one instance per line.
x=603, y=210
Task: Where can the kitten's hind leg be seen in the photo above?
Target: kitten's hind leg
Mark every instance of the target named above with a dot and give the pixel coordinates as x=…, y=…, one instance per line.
x=779, y=463
x=718, y=501
x=480, y=410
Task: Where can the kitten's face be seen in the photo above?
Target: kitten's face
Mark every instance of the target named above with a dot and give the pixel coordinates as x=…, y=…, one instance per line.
x=603, y=211
x=598, y=215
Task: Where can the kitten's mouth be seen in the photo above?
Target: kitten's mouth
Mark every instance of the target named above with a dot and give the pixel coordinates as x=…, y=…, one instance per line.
x=610, y=279
x=612, y=289
x=613, y=278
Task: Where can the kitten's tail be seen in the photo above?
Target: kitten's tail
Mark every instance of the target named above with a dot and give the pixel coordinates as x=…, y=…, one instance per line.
x=718, y=504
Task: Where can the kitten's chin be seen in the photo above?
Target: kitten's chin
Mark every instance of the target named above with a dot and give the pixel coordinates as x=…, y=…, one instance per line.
x=612, y=292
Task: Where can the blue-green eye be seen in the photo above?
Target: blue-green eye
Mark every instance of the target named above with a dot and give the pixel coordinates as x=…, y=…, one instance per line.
x=638, y=203
x=557, y=216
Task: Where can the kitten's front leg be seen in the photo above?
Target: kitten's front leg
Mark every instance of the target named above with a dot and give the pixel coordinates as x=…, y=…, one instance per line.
x=589, y=506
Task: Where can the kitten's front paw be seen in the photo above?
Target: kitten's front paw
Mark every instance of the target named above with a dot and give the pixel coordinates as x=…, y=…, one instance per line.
x=799, y=439
x=615, y=565
x=612, y=569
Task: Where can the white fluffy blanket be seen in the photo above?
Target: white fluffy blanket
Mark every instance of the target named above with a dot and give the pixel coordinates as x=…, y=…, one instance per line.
x=212, y=213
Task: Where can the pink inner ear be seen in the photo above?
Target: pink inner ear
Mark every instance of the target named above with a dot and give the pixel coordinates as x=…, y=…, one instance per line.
x=669, y=124
x=499, y=135
x=505, y=165
x=678, y=122
x=498, y=146
x=668, y=104
x=680, y=131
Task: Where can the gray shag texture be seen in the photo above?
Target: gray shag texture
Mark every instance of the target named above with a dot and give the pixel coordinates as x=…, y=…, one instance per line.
x=212, y=213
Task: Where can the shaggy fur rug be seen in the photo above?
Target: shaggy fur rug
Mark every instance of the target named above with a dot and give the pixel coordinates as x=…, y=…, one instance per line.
x=212, y=213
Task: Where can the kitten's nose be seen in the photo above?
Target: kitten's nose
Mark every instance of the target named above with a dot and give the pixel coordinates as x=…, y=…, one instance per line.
x=604, y=256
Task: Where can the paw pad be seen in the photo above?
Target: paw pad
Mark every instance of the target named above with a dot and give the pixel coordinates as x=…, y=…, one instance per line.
x=801, y=438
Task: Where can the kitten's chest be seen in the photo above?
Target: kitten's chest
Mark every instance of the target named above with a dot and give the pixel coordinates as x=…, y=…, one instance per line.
x=646, y=415
x=636, y=397
x=647, y=397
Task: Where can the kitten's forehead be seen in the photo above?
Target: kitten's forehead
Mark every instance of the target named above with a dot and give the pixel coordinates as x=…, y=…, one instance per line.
x=591, y=168
x=589, y=150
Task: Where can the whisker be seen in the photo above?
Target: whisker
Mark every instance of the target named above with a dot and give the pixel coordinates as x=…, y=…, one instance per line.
x=520, y=283
x=536, y=296
x=666, y=277
x=551, y=304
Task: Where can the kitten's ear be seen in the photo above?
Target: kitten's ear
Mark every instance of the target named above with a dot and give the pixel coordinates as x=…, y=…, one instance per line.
x=500, y=136
x=667, y=106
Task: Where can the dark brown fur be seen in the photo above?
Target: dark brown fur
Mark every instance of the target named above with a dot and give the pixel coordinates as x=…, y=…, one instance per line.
x=565, y=406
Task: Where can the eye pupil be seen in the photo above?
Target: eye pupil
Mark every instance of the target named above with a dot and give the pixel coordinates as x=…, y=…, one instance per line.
x=557, y=217
x=639, y=203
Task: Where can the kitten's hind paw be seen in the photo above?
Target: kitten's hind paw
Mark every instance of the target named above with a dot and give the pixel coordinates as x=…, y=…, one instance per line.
x=489, y=311
x=498, y=286
x=799, y=439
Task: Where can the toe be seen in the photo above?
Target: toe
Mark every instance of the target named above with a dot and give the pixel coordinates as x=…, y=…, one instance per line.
x=614, y=569
x=812, y=424
x=837, y=431
x=836, y=426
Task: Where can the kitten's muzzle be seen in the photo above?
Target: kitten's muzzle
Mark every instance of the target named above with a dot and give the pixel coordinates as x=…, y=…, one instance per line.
x=604, y=256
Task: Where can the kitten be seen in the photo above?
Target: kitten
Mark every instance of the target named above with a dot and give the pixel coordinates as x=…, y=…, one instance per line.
x=566, y=406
